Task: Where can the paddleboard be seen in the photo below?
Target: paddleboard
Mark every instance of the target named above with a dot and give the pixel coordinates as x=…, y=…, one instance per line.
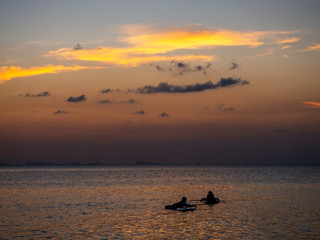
x=184, y=209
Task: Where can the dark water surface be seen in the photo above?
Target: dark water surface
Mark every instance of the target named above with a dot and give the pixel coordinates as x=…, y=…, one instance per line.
x=127, y=202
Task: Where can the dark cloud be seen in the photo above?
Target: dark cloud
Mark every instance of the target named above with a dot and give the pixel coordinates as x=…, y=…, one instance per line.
x=179, y=68
x=43, y=94
x=77, y=47
x=106, y=90
x=61, y=112
x=164, y=114
x=227, y=82
x=159, y=68
x=228, y=109
x=221, y=107
x=198, y=87
x=77, y=99
x=106, y=101
x=130, y=101
x=130, y=90
x=141, y=112
x=234, y=66
x=281, y=131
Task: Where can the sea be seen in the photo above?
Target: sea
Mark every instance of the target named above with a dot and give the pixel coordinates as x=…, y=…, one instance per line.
x=127, y=202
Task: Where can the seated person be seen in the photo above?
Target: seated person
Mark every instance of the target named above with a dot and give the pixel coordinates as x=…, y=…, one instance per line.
x=210, y=199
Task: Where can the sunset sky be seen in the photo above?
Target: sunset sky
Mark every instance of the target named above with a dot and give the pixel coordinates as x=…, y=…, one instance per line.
x=186, y=82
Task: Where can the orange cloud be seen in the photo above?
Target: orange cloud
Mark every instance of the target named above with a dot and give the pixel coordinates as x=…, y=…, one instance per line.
x=121, y=56
x=314, y=47
x=184, y=39
x=286, y=47
x=268, y=52
x=146, y=44
x=289, y=40
x=7, y=73
x=312, y=104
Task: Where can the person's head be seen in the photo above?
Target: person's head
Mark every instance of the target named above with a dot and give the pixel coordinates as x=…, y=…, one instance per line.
x=210, y=193
x=184, y=199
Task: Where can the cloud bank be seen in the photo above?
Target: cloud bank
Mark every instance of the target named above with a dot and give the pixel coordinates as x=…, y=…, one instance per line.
x=198, y=87
x=145, y=44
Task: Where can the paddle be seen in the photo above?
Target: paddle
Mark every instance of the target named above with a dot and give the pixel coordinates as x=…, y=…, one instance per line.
x=206, y=203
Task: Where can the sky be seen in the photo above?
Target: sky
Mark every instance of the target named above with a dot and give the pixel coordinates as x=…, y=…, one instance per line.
x=170, y=82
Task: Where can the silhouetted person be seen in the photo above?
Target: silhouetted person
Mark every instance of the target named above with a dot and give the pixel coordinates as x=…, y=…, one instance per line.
x=210, y=199
x=183, y=203
x=180, y=204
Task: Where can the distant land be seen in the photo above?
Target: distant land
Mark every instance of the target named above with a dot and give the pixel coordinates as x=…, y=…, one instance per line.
x=39, y=163
x=137, y=163
x=145, y=163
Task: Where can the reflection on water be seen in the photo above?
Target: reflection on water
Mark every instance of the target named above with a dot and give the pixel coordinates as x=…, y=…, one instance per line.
x=258, y=202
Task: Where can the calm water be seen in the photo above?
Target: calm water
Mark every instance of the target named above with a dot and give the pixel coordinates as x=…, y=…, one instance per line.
x=127, y=202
